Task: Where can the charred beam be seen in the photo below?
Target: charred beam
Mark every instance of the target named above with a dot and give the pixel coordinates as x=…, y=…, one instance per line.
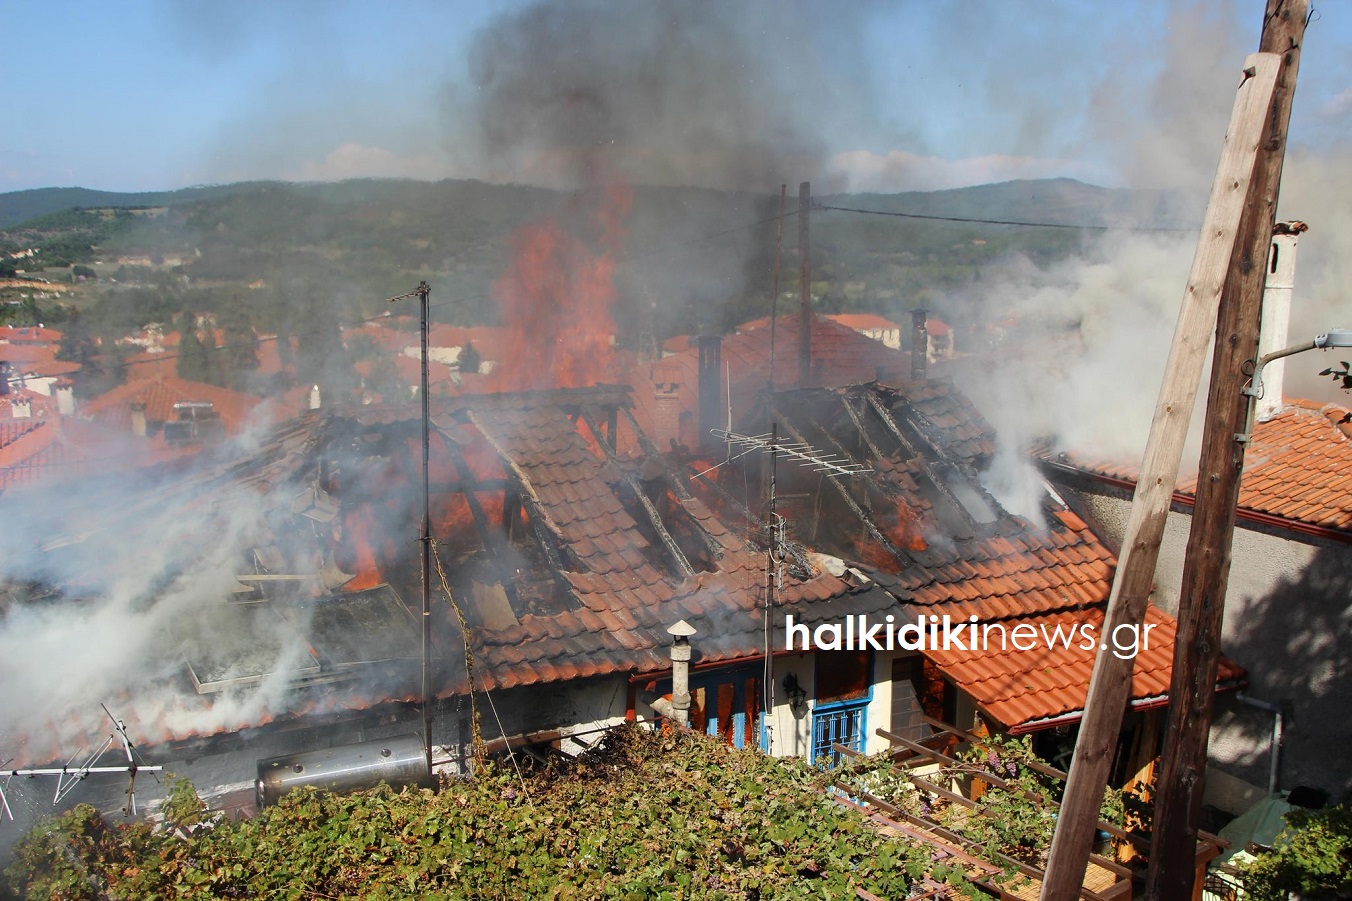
x=939, y=484
x=487, y=536
x=654, y=518
x=547, y=533
x=673, y=482
x=862, y=427
x=844, y=492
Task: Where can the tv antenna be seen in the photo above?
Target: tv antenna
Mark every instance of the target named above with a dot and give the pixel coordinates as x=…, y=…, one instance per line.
x=71, y=775
x=805, y=454
x=815, y=460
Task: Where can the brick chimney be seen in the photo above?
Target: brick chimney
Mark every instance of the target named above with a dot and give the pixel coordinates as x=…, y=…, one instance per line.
x=919, y=344
x=666, y=413
x=1273, y=334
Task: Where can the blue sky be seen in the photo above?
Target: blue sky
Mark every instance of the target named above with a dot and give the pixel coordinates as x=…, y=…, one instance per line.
x=153, y=94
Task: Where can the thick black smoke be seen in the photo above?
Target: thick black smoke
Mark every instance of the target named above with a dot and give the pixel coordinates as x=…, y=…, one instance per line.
x=672, y=93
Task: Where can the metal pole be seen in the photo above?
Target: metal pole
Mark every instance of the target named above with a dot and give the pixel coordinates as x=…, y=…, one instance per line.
x=804, y=285
x=774, y=290
x=425, y=538
x=423, y=292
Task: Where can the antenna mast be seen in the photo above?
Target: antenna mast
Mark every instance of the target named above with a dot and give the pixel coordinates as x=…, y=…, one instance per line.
x=423, y=292
x=68, y=776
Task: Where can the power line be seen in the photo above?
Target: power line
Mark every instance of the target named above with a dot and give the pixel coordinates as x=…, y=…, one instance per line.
x=1015, y=222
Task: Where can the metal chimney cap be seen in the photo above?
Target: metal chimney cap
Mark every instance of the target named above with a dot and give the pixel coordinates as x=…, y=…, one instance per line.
x=681, y=629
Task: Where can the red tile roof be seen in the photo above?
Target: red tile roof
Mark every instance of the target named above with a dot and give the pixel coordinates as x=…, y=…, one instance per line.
x=864, y=321
x=1000, y=568
x=20, y=355
x=158, y=395
x=47, y=452
x=28, y=334
x=1050, y=680
x=1297, y=467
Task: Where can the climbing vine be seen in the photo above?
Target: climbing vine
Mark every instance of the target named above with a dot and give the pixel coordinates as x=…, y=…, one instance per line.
x=644, y=815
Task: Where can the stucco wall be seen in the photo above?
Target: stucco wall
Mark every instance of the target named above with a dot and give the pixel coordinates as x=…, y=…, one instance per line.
x=1288, y=622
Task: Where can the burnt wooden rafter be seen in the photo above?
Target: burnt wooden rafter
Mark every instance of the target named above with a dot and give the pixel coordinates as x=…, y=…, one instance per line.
x=890, y=421
x=547, y=533
x=654, y=518
x=844, y=492
x=677, y=486
x=490, y=539
x=883, y=486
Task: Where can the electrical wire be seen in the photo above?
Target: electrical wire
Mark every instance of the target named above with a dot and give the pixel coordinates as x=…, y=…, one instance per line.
x=476, y=736
x=1015, y=222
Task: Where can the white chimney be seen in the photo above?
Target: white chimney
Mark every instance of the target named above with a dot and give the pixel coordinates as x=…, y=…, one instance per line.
x=65, y=400
x=1281, y=279
x=138, y=420
x=680, y=670
x=20, y=409
x=314, y=398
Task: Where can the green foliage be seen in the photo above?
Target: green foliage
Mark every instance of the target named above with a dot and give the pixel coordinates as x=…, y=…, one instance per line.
x=646, y=815
x=1013, y=815
x=1312, y=857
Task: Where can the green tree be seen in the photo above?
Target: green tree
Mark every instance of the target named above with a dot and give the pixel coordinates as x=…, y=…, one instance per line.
x=238, y=356
x=470, y=361
x=192, y=363
x=77, y=345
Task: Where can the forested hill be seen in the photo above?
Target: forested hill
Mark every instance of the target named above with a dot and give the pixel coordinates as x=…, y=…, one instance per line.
x=691, y=259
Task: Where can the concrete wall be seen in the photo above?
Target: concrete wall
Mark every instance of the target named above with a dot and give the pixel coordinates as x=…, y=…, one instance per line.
x=1288, y=622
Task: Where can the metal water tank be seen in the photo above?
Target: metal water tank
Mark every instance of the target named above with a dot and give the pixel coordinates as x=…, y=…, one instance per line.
x=398, y=761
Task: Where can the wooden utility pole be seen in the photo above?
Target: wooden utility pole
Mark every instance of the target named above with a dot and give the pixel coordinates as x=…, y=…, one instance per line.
x=1110, y=684
x=1206, y=565
x=804, y=286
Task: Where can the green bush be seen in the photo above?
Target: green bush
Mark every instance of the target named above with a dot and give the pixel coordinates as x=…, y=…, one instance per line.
x=1312, y=857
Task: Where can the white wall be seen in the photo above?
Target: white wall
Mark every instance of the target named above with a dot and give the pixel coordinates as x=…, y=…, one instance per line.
x=1288, y=612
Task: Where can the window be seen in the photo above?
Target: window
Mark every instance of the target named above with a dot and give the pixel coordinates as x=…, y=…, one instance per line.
x=844, y=686
x=837, y=724
x=726, y=703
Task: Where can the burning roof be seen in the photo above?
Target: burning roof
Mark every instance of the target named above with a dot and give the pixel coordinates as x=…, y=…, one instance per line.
x=567, y=542
x=919, y=514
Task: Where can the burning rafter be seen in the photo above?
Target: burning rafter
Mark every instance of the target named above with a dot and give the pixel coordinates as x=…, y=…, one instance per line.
x=654, y=518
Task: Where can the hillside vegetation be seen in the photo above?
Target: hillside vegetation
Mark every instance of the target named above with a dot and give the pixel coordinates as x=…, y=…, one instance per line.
x=691, y=260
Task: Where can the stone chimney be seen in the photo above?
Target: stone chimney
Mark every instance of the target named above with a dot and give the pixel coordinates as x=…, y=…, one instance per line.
x=1273, y=334
x=314, y=398
x=666, y=414
x=919, y=344
x=138, y=419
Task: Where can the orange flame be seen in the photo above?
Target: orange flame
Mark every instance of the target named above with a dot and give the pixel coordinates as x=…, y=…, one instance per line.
x=357, y=539
x=555, y=300
x=906, y=532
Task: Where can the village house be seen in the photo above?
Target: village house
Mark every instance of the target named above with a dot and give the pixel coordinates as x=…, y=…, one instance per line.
x=1289, y=578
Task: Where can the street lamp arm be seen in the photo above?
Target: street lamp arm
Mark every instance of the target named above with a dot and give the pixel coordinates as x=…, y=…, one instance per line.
x=1332, y=338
